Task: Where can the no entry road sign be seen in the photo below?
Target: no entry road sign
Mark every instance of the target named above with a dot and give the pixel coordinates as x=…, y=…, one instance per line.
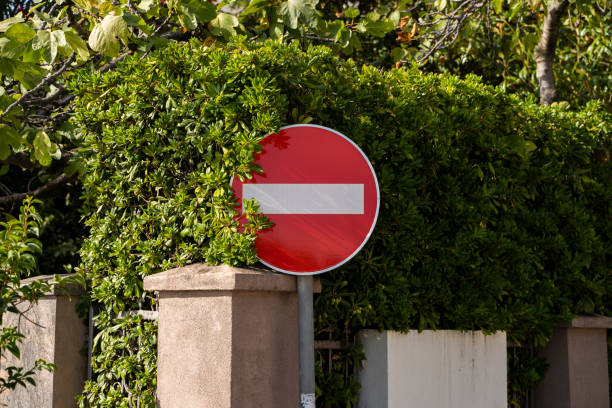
x=321, y=192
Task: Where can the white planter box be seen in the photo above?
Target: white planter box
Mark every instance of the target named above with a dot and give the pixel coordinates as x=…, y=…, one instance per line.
x=433, y=369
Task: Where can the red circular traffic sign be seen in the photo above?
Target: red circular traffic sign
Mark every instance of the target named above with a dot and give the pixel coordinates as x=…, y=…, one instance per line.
x=321, y=192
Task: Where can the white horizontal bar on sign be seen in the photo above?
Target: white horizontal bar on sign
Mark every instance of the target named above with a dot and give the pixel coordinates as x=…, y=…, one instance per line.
x=306, y=198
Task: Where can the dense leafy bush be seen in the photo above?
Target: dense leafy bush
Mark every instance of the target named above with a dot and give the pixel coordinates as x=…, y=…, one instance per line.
x=496, y=213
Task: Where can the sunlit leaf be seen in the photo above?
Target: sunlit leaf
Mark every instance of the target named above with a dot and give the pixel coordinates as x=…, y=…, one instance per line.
x=21, y=33
x=43, y=148
x=299, y=10
x=224, y=24
x=105, y=36
x=77, y=44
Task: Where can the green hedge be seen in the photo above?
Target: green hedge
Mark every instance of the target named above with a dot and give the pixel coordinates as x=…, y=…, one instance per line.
x=495, y=213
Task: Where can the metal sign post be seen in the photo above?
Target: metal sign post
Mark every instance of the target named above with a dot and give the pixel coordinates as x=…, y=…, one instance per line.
x=306, y=342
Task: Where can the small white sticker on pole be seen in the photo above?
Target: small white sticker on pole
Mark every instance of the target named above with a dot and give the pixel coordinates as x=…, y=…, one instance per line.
x=307, y=400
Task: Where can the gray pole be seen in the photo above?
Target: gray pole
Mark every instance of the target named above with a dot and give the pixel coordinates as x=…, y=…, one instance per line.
x=306, y=333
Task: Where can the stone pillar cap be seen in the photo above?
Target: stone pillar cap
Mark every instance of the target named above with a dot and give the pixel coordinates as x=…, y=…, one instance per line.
x=202, y=277
x=590, y=322
x=69, y=288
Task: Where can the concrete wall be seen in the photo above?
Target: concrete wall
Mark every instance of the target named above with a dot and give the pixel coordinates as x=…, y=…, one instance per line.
x=54, y=332
x=441, y=369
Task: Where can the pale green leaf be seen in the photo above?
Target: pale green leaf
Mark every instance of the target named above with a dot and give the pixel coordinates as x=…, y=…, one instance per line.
x=102, y=42
x=22, y=33
x=440, y=4
x=77, y=44
x=187, y=17
x=42, y=40
x=105, y=36
x=497, y=5
x=84, y=4
x=146, y=5
x=296, y=10
x=88, y=5
x=372, y=16
x=58, y=38
x=224, y=24
x=395, y=17
x=43, y=148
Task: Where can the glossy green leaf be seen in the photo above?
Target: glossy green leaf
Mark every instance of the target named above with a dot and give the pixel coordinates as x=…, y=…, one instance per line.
x=398, y=54
x=7, y=66
x=255, y=6
x=351, y=12
x=332, y=28
x=9, y=137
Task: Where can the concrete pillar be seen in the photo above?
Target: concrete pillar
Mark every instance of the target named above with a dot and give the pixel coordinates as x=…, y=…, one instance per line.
x=54, y=332
x=577, y=375
x=441, y=369
x=228, y=337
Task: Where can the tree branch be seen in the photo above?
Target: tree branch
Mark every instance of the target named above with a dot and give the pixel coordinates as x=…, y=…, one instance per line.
x=74, y=24
x=45, y=101
x=22, y=159
x=48, y=79
x=544, y=52
x=53, y=184
x=453, y=22
x=113, y=62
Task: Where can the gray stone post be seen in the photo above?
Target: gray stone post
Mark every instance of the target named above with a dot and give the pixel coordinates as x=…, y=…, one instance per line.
x=54, y=332
x=577, y=375
x=228, y=338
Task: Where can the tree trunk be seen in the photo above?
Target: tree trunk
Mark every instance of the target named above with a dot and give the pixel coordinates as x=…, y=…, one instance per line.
x=545, y=51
